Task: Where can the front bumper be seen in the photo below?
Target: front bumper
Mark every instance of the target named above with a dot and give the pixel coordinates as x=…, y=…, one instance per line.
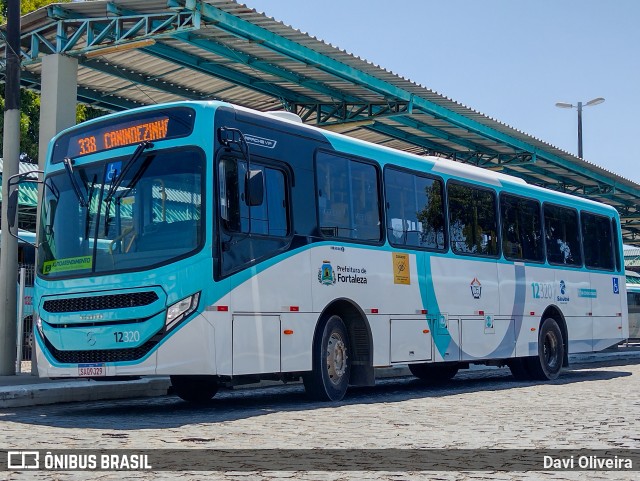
x=188, y=349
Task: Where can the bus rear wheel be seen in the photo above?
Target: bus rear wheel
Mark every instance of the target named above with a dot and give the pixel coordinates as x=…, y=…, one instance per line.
x=547, y=364
x=434, y=373
x=519, y=369
x=329, y=379
x=195, y=389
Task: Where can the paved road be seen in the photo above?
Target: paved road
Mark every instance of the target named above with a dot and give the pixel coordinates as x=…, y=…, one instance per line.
x=589, y=407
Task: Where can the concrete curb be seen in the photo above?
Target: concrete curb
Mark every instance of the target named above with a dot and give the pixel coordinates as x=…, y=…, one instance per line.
x=61, y=391
x=74, y=391
x=605, y=356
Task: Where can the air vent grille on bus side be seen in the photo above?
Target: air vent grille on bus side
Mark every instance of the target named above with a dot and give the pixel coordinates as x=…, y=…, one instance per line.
x=98, y=303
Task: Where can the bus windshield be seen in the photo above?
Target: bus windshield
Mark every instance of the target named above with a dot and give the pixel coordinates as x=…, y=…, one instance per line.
x=149, y=217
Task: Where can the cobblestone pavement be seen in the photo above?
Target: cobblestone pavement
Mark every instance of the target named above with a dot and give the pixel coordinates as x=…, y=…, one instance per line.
x=589, y=407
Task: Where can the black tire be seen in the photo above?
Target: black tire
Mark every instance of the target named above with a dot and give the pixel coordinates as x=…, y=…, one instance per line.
x=195, y=389
x=329, y=379
x=547, y=364
x=434, y=373
x=519, y=370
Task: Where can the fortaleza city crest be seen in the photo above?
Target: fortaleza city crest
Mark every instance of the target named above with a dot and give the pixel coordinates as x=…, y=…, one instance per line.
x=326, y=275
x=344, y=274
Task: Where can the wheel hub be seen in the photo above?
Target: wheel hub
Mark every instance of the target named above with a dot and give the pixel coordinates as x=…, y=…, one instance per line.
x=336, y=358
x=551, y=350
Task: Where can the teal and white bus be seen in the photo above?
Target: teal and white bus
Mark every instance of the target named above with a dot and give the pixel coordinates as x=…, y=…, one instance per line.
x=221, y=245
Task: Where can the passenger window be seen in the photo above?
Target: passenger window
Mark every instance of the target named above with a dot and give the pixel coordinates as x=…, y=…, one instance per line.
x=616, y=243
x=472, y=220
x=597, y=241
x=562, y=235
x=415, y=210
x=521, y=229
x=348, y=198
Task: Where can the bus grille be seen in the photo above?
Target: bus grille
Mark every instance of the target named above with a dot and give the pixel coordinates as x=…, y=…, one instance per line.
x=99, y=303
x=100, y=355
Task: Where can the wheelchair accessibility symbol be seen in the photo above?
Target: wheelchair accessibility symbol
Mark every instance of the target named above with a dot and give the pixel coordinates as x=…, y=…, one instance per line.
x=616, y=286
x=113, y=170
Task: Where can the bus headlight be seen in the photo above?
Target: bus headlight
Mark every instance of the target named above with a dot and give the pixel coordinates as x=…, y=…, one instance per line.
x=181, y=309
x=39, y=325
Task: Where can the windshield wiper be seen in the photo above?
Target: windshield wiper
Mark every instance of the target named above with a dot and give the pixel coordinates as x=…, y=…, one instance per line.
x=115, y=184
x=88, y=211
x=121, y=175
x=68, y=165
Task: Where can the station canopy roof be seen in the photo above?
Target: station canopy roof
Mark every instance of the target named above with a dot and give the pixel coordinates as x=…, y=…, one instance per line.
x=141, y=52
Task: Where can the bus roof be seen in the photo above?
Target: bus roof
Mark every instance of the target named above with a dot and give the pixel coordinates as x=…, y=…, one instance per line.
x=354, y=146
x=442, y=165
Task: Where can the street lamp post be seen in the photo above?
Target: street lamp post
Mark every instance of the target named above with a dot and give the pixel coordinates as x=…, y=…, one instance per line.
x=590, y=103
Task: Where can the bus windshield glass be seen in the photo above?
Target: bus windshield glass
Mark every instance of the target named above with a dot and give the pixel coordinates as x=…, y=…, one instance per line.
x=153, y=216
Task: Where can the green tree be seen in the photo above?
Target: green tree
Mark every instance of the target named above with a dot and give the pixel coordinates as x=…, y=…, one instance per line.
x=432, y=215
x=27, y=6
x=30, y=101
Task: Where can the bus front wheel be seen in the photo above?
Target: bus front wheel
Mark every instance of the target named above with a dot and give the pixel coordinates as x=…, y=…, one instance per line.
x=548, y=363
x=331, y=363
x=195, y=389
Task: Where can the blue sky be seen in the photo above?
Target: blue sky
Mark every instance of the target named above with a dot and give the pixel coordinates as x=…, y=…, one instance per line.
x=509, y=59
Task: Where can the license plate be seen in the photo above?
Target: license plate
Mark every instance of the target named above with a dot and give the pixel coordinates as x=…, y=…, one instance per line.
x=92, y=370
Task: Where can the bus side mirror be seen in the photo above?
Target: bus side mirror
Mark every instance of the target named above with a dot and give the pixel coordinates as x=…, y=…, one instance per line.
x=12, y=208
x=254, y=188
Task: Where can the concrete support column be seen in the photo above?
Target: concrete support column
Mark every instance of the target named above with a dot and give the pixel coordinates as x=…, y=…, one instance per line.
x=10, y=153
x=58, y=99
x=9, y=249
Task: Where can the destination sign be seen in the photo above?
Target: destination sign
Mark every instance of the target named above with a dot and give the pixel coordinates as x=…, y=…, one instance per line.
x=124, y=131
x=109, y=139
